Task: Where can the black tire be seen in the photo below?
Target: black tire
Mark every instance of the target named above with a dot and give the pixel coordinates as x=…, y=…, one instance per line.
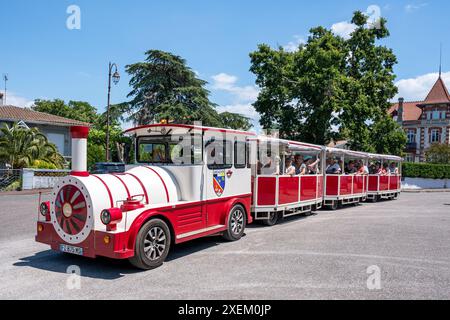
x=236, y=223
x=152, y=245
x=273, y=219
x=335, y=205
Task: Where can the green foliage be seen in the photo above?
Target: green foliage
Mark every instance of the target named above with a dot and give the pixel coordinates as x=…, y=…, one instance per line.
x=165, y=88
x=21, y=147
x=426, y=170
x=388, y=137
x=438, y=153
x=330, y=88
x=235, y=121
x=42, y=164
x=83, y=111
x=14, y=186
x=76, y=110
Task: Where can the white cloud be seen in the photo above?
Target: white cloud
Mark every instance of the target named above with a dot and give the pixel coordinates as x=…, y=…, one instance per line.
x=343, y=29
x=16, y=100
x=416, y=89
x=227, y=83
x=411, y=7
x=292, y=46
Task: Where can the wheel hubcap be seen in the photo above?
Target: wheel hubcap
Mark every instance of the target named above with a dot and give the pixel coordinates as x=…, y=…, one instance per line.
x=237, y=221
x=155, y=243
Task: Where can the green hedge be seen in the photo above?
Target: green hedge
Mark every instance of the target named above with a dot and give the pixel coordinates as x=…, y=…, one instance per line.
x=426, y=170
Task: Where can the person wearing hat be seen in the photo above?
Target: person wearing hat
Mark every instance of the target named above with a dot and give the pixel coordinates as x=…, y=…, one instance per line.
x=289, y=168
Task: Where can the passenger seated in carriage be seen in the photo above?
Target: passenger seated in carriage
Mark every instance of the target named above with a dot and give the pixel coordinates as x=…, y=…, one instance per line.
x=299, y=165
x=383, y=171
x=393, y=168
x=289, y=168
x=312, y=167
x=350, y=168
x=333, y=167
x=361, y=168
x=269, y=165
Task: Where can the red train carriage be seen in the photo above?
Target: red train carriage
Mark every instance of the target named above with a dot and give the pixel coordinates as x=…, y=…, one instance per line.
x=278, y=193
x=384, y=178
x=346, y=176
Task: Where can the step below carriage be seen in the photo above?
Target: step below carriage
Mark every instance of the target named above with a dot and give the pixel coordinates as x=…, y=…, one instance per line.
x=190, y=182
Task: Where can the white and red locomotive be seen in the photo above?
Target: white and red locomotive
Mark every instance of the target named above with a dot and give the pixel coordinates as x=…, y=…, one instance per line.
x=188, y=182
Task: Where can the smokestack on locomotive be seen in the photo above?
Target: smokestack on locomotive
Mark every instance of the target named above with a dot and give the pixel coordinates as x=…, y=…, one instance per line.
x=79, y=150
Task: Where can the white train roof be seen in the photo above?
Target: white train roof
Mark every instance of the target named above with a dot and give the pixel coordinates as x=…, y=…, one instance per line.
x=180, y=129
x=347, y=152
x=384, y=157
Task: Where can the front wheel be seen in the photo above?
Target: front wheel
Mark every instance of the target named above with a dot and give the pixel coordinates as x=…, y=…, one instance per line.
x=152, y=245
x=236, y=223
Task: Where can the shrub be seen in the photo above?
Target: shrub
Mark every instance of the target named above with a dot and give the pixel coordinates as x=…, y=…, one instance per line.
x=426, y=170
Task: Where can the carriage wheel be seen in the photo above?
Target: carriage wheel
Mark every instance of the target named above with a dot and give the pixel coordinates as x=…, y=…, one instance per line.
x=272, y=220
x=334, y=205
x=236, y=223
x=152, y=245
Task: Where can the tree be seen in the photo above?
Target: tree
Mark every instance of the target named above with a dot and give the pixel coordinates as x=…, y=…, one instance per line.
x=85, y=112
x=235, y=121
x=369, y=85
x=388, y=137
x=165, y=88
x=75, y=110
x=438, y=153
x=301, y=91
x=21, y=148
x=330, y=88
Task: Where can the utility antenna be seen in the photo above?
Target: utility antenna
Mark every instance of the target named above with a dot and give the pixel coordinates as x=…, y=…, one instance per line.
x=5, y=78
x=440, y=62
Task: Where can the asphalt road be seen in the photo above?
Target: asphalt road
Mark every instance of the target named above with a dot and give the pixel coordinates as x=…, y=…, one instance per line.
x=325, y=256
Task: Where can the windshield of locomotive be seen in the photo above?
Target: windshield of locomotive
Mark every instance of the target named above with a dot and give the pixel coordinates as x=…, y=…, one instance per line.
x=172, y=149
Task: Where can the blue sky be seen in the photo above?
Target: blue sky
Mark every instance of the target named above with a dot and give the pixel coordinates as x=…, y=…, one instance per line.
x=44, y=59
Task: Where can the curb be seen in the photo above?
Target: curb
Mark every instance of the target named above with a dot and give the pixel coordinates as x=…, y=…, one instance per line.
x=25, y=192
x=426, y=191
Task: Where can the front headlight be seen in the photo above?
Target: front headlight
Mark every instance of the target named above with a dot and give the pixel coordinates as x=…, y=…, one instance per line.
x=44, y=208
x=105, y=216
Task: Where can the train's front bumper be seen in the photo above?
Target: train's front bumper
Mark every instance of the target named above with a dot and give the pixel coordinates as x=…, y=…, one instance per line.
x=111, y=245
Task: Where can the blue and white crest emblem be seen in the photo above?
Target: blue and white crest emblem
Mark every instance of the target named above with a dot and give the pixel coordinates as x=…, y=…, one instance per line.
x=219, y=182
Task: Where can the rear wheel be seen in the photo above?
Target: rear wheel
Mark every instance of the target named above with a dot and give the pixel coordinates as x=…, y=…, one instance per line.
x=152, y=245
x=273, y=219
x=236, y=223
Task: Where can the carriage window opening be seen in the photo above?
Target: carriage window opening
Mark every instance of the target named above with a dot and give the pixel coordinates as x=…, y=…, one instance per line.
x=177, y=150
x=152, y=152
x=219, y=155
x=240, y=154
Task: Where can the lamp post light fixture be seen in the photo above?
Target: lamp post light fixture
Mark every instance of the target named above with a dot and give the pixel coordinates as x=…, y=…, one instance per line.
x=115, y=77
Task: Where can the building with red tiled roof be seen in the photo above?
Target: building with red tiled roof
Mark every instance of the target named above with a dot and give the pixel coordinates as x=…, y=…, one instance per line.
x=425, y=122
x=55, y=128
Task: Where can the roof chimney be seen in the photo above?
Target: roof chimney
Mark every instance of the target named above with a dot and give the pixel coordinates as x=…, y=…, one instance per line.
x=400, y=110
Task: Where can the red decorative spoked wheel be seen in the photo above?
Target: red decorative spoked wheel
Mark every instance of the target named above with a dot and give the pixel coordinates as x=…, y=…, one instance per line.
x=70, y=210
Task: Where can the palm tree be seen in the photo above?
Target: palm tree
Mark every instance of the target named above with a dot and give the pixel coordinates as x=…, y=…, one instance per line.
x=20, y=147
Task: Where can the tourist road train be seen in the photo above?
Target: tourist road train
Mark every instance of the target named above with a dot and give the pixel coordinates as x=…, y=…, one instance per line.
x=191, y=181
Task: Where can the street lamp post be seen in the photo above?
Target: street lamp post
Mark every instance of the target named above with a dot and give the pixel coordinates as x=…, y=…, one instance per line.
x=115, y=78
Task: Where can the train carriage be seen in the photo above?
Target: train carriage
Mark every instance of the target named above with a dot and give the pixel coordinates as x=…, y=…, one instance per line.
x=388, y=185
x=343, y=187
x=277, y=195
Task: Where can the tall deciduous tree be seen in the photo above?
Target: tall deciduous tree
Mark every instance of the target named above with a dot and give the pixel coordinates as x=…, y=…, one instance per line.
x=165, y=88
x=330, y=88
